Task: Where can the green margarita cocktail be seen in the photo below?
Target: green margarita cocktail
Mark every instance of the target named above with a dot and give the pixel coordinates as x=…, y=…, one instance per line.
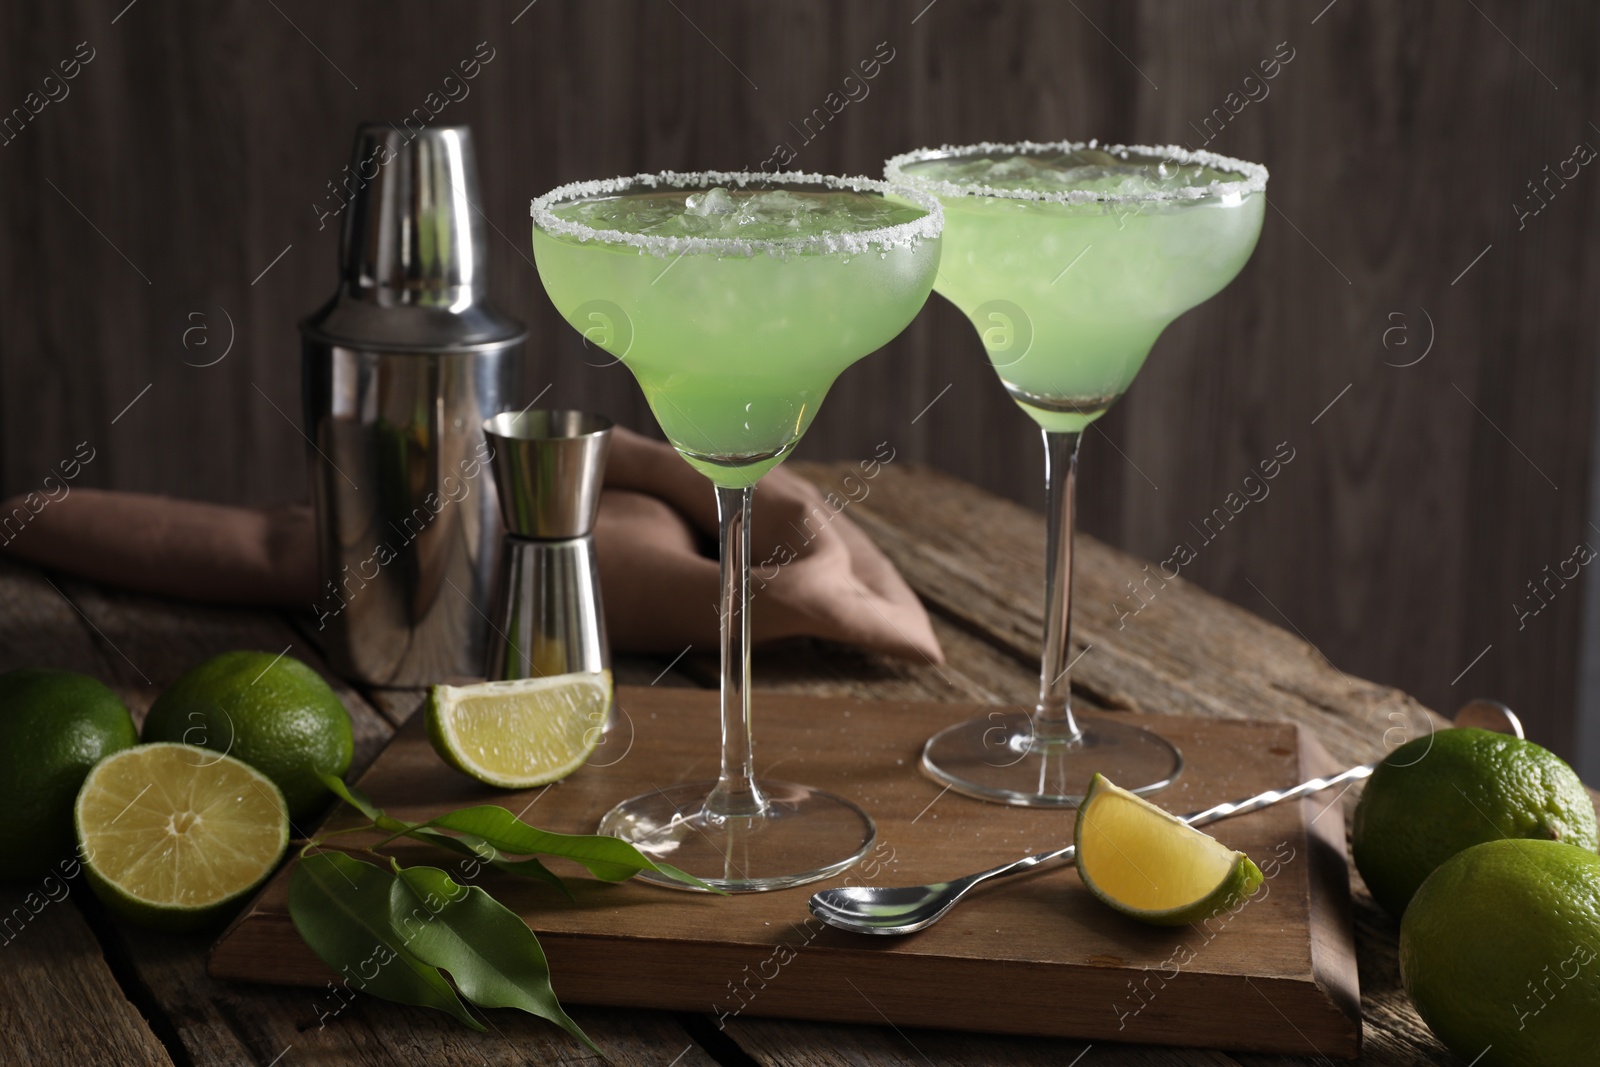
x=1070, y=259
x=736, y=300
x=1099, y=250
x=745, y=307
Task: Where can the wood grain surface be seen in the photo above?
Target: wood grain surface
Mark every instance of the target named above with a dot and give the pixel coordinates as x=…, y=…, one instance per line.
x=138, y=646
x=1226, y=663
x=1280, y=976
x=60, y=999
x=170, y=205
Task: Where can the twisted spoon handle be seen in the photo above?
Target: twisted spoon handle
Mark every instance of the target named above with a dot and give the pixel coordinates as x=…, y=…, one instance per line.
x=1274, y=796
x=1198, y=818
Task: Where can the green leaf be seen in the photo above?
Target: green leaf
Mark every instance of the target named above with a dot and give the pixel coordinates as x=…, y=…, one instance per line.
x=481, y=850
x=363, y=803
x=608, y=858
x=352, y=796
x=688, y=879
x=532, y=868
x=341, y=907
x=493, y=957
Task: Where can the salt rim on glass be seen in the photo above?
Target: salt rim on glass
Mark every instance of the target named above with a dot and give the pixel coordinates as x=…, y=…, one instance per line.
x=857, y=242
x=1252, y=176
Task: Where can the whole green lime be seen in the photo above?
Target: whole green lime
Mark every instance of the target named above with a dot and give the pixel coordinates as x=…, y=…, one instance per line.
x=1435, y=796
x=54, y=727
x=271, y=711
x=1500, y=951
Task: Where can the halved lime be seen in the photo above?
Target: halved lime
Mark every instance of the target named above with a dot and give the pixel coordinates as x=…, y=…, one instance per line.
x=522, y=733
x=1153, y=866
x=173, y=834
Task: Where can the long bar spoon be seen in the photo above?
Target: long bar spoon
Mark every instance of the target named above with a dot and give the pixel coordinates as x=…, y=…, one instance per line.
x=907, y=909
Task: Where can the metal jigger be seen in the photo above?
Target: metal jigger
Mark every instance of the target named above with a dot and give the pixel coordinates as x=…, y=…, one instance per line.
x=548, y=617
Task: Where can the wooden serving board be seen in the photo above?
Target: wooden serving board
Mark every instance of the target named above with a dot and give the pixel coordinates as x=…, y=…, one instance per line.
x=1034, y=955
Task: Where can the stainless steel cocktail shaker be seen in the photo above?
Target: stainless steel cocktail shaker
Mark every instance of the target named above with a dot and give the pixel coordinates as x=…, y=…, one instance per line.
x=400, y=369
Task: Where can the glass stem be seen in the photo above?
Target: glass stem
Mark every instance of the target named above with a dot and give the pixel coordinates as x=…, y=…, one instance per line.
x=1052, y=718
x=736, y=794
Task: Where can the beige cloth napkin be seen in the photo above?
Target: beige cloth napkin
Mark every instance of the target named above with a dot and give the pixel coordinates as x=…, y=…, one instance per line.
x=814, y=572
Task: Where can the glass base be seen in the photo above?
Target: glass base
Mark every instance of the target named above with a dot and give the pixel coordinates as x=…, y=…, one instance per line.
x=804, y=836
x=999, y=758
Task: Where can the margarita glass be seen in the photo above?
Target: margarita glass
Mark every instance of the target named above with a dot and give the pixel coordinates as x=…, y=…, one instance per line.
x=736, y=300
x=1070, y=259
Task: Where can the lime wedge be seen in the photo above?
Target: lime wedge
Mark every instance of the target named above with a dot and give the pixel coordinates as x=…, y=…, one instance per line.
x=174, y=834
x=522, y=733
x=1151, y=865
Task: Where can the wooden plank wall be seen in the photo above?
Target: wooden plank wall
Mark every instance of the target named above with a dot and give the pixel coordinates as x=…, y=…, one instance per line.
x=174, y=183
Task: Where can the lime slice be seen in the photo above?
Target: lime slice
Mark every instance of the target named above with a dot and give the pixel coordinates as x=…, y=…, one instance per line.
x=173, y=834
x=1151, y=865
x=522, y=733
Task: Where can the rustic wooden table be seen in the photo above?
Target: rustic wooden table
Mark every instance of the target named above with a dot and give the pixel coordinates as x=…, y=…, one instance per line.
x=77, y=987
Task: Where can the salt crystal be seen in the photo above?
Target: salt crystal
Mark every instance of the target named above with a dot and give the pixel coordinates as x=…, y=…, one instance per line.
x=718, y=238
x=1166, y=172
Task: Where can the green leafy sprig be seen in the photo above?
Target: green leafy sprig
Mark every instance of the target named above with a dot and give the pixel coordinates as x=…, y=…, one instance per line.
x=411, y=926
